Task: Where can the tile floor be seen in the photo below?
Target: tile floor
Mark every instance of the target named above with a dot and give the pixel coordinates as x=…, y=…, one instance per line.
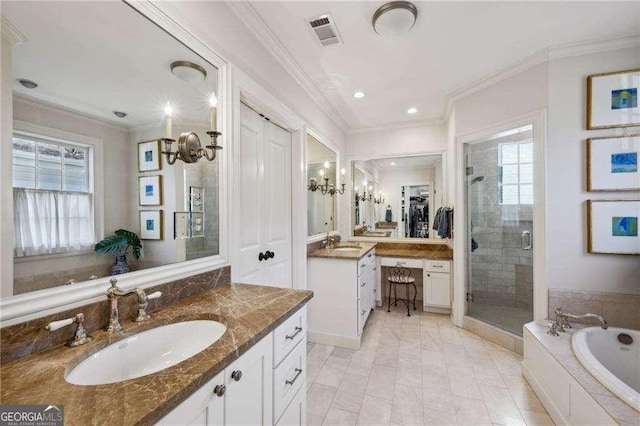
x=418, y=370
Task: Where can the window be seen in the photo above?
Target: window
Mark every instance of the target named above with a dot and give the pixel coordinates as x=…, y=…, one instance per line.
x=515, y=173
x=52, y=194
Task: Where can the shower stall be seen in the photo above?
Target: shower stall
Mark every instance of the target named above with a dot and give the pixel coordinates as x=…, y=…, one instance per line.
x=499, y=214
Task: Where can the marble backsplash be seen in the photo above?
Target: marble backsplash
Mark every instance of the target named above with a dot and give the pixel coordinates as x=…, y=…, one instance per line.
x=28, y=337
x=620, y=310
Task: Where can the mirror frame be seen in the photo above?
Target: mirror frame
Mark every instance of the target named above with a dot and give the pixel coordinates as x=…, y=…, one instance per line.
x=339, y=179
x=351, y=160
x=23, y=307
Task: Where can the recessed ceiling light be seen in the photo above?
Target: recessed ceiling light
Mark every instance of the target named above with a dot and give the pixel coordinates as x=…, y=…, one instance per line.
x=120, y=114
x=358, y=95
x=412, y=110
x=394, y=18
x=393, y=164
x=28, y=83
x=188, y=71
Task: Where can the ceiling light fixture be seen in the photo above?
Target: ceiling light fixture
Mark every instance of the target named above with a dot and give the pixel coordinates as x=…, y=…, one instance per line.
x=120, y=114
x=412, y=110
x=393, y=164
x=188, y=71
x=359, y=95
x=28, y=83
x=394, y=18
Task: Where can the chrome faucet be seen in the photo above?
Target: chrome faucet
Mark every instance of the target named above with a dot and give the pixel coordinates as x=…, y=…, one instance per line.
x=329, y=242
x=561, y=321
x=114, y=292
x=80, y=336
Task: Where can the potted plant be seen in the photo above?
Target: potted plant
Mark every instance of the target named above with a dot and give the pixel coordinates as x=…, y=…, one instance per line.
x=119, y=244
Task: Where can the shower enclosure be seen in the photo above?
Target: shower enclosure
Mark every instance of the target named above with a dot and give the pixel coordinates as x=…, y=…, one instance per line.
x=499, y=190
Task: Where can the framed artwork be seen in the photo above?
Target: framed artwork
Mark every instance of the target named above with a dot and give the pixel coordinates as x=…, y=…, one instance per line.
x=612, y=163
x=151, y=224
x=149, y=156
x=612, y=99
x=150, y=190
x=612, y=226
x=197, y=198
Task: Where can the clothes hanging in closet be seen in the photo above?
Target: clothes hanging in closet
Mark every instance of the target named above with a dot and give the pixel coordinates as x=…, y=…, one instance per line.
x=442, y=222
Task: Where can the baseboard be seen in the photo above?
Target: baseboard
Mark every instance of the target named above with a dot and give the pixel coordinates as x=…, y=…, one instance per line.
x=544, y=398
x=333, y=340
x=435, y=310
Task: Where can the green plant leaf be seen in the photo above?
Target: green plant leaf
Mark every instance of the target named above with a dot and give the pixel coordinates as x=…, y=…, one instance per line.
x=112, y=244
x=132, y=240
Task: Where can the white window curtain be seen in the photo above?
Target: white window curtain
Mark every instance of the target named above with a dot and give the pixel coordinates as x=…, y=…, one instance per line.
x=48, y=222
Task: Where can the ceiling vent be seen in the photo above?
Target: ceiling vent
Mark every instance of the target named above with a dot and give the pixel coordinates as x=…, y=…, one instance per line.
x=325, y=30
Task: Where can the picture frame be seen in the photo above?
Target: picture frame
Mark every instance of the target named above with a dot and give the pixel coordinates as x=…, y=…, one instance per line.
x=612, y=226
x=612, y=163
x=151, y=226
x=149, y=159
x=612, y=99
x=150, y=190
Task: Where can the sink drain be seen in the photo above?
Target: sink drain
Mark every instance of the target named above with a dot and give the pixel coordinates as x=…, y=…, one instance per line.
x=625, y=339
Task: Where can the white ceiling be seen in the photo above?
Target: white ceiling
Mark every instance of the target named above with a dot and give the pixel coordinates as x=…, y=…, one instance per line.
x=96, y=57
x=452, y=45
x=402, y=163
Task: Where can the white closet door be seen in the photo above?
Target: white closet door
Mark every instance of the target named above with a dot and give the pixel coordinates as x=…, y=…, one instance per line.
x=265, y=201
x=251, y=194
x=277, y=186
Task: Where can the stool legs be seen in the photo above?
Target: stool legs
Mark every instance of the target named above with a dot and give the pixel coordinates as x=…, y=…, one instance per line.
x=408, y=301
x=389, y=307
x=415, y=294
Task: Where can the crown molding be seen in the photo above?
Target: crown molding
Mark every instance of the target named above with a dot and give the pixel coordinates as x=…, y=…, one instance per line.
x=254, y=22
x=540, y=57
x=10, y=32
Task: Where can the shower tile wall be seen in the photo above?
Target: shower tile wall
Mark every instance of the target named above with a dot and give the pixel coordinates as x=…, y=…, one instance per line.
x=502, y=273
x=204, y=175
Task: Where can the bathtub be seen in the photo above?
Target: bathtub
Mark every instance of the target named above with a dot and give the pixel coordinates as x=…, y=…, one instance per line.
x=615, y=364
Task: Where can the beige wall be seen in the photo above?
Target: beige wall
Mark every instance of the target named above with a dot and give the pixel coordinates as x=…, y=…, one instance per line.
x=6, y=192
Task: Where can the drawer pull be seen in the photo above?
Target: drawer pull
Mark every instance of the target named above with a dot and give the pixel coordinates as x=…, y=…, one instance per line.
x=292, y=381
x=363, y=284
x=437, y=266
x=298, y=331
x=236, y=375
x=363, y=266
x=220, y=390
x=364, y=311
x=370, y=254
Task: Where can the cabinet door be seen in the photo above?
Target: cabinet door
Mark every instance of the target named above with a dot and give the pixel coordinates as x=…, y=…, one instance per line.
x=248, y=399
x=296, y=412
x=437, y=289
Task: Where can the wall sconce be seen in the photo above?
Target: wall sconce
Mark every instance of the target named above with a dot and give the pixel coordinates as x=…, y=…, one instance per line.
x=326, y=188
x=379, y=199
x=364, y=196
x=190, y=149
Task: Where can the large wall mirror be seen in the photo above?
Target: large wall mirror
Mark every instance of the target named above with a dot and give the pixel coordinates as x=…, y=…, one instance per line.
x=90, y=106
x=322, y=175
x=396, y=197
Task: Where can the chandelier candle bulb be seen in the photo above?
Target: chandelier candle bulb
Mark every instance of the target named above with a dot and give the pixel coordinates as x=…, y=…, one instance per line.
x=167, y=122
x=213, y=102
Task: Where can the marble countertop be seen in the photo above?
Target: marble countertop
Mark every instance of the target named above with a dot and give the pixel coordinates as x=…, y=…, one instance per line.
x=560, y=348
x=249, y=312
x=364, y=248
x=416, y=251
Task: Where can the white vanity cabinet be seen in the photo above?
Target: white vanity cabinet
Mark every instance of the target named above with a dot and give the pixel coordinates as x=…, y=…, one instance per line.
x=344, y=295
x=437, y=284
x=264, y=386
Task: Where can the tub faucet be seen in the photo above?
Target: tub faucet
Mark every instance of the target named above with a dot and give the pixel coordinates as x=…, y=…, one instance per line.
x=561, y=321
x=114, y=292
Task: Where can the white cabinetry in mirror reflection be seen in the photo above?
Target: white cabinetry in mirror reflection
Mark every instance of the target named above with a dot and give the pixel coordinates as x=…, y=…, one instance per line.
x=264, y=386
x=265, y=201
x=344, y=295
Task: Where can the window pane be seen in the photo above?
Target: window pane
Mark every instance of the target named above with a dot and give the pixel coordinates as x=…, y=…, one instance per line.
x=510, y=174
x=526, y=152
x=75, y=181
x=48, y=152
x=509, y=194
x=526, y=173
x=526, y=194
x=24, y=151
x=509, y=153
x=24, y=176
x=49, y=179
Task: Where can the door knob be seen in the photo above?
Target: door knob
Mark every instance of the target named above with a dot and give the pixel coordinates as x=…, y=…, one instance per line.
x=269, y=254
x=262, y=257
x=236, y=375
x=220, y=390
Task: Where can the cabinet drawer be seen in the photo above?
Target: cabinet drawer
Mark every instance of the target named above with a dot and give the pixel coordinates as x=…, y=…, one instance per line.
x=438, y=266
x=289, y=334
x=194, y=408
x=288, y=378
x=296, y=412
x=406, y=262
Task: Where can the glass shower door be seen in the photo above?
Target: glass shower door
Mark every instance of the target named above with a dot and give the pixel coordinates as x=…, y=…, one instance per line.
x=499, y=187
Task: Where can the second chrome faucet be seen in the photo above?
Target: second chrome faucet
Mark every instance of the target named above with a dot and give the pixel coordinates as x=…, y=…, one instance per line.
x=114, y=293
x=561, y=321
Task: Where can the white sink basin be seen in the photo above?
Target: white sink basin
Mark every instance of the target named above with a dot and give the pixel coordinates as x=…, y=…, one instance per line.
x=346, y=249
x=147, y=352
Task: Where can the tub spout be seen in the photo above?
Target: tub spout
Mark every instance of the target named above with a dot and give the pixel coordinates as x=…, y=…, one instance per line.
x=562, y=321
